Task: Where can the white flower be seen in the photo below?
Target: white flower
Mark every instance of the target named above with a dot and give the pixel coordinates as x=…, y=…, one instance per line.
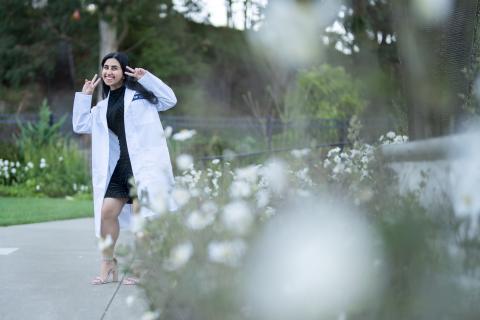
x=215, y=161
x=338, y=168
x=326, y=163
x=138, y=223
x=237, y=217
x=13, y=170
x=36, y=188
x=263, y=198
x=150, y=315
x=60, y=158
x=168, y=132
x=274, y=173
x=240, y=189
x=184, y=135
x=43, y=163
x=249, y=174
x=300, y=153
x=18, y=164
x=185, y=162
x=199, y=220
x=157, y=203
x=30, y=164
x=391, y=135
x=91, y=8
x=179, y=256
x=105, y=243
x=181, y=196
x=227, y=252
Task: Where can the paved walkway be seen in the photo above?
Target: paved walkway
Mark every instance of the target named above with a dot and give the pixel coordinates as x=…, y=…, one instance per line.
x=45, y=273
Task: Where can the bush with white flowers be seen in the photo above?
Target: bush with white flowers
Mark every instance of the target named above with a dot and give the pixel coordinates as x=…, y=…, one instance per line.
x=196, y=262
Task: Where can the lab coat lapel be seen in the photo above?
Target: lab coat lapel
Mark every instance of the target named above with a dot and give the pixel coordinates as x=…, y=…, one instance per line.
x=127, y=99
x=103, y=112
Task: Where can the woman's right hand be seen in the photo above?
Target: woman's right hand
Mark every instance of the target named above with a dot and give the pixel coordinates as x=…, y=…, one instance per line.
x=90, y=85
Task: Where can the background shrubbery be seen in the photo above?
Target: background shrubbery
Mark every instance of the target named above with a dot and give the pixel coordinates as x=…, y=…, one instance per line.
x=43, y=161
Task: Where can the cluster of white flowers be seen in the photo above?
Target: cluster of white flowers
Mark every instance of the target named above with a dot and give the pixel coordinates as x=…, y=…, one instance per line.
x=346, y=163
x=345, y=42
x=392, y=138
x=43, y=163
x=184, y=135
x=13, y=170
x=80, y=188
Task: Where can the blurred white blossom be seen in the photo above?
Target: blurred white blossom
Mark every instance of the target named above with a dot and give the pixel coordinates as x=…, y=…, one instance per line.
x=227, y=252
x=91, y=8
x=105, y=243
x=240, y=189
x=275, y=173
x=179, y=256
x=168, y=132
x=197, y=220
x=237, y=217
x=185, y=162
x=184, y=135
x=151, y=315
x=181, y=196
x=301, y=267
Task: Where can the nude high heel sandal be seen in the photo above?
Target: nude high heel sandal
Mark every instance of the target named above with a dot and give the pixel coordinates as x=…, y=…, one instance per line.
x=113, y=270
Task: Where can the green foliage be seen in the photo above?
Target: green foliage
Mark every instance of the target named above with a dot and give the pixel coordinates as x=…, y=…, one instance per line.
x=326, y=92
x=48, y=162
x=39, y=135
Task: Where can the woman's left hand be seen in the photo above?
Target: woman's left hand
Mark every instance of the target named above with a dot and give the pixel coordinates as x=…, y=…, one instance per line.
x=136, y=73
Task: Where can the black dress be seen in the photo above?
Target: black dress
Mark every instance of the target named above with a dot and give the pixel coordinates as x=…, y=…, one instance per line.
x=119, y=186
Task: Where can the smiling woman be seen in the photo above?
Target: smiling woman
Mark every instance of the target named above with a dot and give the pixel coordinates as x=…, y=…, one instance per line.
x=128, y=143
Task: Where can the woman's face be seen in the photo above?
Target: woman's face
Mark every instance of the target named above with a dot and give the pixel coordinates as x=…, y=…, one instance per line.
x=112, y=73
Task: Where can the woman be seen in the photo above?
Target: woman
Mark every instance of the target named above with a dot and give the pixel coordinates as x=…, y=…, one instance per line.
x=127, y=141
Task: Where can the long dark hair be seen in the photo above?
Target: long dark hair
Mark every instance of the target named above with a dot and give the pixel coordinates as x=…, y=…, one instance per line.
x=129, y=82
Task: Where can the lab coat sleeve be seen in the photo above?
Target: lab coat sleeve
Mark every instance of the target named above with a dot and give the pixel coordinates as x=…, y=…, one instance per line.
x=165, y=95
x=82, y=113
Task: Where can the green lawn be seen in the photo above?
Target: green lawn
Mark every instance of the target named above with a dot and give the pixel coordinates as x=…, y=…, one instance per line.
x=30, y=210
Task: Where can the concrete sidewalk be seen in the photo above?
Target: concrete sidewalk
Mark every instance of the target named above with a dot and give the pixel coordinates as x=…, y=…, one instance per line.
x=48, y=276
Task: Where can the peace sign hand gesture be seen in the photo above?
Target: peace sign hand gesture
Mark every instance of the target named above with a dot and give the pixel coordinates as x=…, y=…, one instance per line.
x=136, y=73
x=90, y=85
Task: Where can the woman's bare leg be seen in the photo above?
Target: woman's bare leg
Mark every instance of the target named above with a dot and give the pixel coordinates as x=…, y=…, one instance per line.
x=109, y=226
x=111, y=209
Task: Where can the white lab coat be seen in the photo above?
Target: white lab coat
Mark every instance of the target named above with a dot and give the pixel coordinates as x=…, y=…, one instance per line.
x=147, y=146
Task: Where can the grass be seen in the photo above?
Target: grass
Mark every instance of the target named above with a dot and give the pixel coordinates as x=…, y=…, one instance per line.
x=31, y=210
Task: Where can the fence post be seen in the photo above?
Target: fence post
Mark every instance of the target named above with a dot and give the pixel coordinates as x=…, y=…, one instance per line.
x=269, y=132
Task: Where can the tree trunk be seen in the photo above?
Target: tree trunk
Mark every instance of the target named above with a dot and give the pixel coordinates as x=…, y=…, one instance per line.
x=108, y=38
x=229, y=5
x=246, y=5
x=108, y=42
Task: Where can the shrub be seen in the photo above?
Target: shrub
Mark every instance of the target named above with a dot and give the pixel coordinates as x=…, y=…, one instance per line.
x=49, y=163
x=199, y=262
